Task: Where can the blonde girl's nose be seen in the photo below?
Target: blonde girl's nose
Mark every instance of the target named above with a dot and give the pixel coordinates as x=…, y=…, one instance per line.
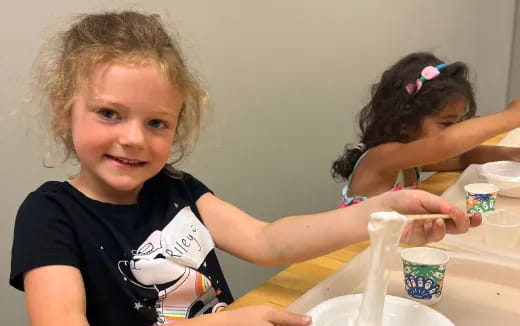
x=132, y=134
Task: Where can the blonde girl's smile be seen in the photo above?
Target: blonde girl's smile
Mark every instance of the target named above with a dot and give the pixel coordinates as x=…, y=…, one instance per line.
x=124, y=162
x=123, y=125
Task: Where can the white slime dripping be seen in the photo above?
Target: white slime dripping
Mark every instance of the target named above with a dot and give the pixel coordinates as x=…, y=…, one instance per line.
x=385, y=230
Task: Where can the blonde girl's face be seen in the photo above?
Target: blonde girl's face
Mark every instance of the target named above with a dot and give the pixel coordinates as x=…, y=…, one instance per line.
x=123, y=125
x=452, y=113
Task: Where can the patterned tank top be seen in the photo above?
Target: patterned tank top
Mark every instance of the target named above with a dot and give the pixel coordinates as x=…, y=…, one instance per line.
x=398, y=185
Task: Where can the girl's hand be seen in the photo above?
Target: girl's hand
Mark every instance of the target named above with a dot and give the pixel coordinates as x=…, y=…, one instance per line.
x=263, y=316
x=420, y=232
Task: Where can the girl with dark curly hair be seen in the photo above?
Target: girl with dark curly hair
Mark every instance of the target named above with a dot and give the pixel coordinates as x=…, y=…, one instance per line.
x=421, y=116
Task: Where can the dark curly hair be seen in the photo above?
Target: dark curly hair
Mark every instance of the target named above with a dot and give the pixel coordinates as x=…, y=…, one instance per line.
x=391, y=107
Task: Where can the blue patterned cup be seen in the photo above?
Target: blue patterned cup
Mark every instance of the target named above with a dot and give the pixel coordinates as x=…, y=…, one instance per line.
x=480, y=197
x=424, y=269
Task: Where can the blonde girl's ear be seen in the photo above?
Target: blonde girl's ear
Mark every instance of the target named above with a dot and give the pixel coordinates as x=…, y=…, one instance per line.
x=61, y=116
x=64, y=124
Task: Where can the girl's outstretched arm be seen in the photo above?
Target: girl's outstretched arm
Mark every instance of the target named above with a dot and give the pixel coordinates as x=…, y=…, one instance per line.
x=297, y=238
x=455, y=140
x=485, y=153
x=478, y=155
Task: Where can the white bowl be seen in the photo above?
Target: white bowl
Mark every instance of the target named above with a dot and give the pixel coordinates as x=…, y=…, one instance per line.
x=505, y=174
x=342, y=311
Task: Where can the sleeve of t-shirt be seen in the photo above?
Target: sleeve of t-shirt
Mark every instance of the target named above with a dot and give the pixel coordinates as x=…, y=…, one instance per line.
x=195, y=187
x=43, y=235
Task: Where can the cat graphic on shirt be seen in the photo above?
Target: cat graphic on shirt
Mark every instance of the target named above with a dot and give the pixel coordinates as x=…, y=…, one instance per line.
x=175, y=253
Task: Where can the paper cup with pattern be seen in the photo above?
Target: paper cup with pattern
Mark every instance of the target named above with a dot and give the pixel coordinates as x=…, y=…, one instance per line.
x=424, y=269
x=480, y=197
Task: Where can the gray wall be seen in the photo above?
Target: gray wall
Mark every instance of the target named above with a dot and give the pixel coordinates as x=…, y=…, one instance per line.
x=286, y=79
x=514, y=72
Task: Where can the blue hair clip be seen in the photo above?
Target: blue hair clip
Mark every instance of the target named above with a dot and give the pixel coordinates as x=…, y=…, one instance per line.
x=428, y=73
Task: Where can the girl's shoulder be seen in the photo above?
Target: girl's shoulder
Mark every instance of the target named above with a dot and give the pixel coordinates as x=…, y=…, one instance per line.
x=385, y=148
x=44, y=231
x=49, y=204
x=372, y=157
x=59, y=200
x=178, y=183
x=384, y=158
x=51, y=187
x=46, y=196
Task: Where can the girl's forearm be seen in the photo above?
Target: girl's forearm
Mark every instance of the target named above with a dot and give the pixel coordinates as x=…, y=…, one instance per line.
x=478, y=155
x=297, y=238
x=463, y=136
x=484, y=153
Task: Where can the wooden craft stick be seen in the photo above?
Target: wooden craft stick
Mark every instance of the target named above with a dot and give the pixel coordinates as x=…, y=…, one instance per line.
x=427, y=216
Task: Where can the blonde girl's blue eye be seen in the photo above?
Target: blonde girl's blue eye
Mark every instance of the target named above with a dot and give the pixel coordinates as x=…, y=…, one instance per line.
x=107, y=114
x=156, y=124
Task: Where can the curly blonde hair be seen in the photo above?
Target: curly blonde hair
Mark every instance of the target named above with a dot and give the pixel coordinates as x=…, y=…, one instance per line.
x=110, y=37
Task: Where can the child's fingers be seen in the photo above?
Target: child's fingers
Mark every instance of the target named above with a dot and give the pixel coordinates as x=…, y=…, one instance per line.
x=436, y=231
x=414, y=233
x=475, y=219
x=459, y=223
x=430, y=203
x=285, y=318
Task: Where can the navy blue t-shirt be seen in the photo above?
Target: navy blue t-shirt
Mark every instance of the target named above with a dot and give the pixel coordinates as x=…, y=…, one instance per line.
x=151, y=262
